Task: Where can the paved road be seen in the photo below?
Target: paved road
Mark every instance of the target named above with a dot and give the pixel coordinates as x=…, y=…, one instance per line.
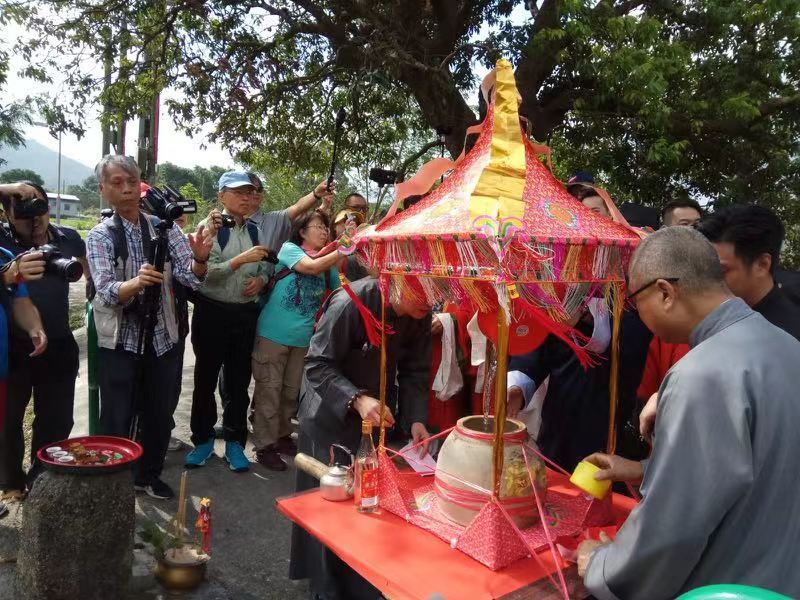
x=250, y=541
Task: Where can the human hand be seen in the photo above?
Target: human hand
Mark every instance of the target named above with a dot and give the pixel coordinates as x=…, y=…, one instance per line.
x=516, y=400
x=253, y=255
x=615, y=468
x=214, y=221
x=39, y=339
x=370, y=410
x=148, y=275
x=327, y=200
x=19, y=190
x=585, y=550
x=647, y=418
x=31, y=266
x=252, y=285
x=436, y=325
x=321, y=191
x=201, y=243
x=418, y=433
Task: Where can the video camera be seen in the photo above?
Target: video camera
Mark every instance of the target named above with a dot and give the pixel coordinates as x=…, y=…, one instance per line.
x=167, y=204
x=55, y=263
x=383, y=176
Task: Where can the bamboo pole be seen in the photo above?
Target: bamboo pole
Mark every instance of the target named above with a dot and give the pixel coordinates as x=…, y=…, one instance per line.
x=500, y=382
x=383, y=375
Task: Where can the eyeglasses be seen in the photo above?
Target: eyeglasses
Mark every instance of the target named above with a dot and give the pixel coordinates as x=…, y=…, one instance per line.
x=322, y=227
x=632, y=295
x=242, y=191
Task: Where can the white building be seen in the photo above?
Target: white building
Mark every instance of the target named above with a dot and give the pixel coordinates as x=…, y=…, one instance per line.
x=70, y=205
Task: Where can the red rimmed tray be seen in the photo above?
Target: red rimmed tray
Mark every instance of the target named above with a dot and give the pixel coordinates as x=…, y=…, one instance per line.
x=128, y=450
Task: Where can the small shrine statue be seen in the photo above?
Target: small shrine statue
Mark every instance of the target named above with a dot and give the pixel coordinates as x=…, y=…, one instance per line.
x=203, y=525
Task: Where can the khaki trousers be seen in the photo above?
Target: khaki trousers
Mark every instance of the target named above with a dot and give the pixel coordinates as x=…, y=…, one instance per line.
x=277, y=371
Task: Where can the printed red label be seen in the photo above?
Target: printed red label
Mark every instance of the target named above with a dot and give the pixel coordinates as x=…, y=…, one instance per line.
x=369, y=487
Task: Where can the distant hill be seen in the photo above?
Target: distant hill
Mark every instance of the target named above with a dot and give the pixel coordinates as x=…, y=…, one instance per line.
x=44, y=161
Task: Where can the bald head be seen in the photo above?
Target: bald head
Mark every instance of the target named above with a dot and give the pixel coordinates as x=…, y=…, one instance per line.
x=681, y=253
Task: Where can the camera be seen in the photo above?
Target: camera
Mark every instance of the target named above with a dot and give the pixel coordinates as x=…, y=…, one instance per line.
x=31, y=208
x=383, y=176
x=55, y=263
x=228, y=221
x=167, y=204
x=271, y=257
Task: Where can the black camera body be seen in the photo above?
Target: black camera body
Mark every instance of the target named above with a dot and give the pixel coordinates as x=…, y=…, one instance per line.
x=271, y=257
x=228, y=221
x=167, y=204
x=31, y=208
x=56, y=264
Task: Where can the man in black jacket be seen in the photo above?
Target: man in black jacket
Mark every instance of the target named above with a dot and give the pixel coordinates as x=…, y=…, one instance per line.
x=50, y=377
x=748, y=242
x=340, y=389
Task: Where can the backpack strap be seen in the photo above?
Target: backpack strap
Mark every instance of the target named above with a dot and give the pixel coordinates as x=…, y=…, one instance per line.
x=252, y=229
x=120, y=244
x=223, y=235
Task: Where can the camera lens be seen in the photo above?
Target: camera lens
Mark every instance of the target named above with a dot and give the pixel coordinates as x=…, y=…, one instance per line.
x=69, y=269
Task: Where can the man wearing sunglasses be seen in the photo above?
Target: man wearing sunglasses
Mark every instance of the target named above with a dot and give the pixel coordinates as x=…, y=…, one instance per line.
x=719, y=490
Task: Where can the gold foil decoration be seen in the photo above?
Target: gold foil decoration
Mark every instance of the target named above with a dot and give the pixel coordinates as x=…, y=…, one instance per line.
x=498, y=192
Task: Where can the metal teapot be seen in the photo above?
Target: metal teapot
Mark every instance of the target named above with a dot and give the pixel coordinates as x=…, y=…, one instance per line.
x=335, y=480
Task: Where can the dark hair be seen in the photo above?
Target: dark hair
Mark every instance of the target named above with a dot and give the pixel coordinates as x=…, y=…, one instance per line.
x=5, y=199
x=303, y=221
x=353, y=195
x=669, y=207
x=256, y=181
x=410, y=201
x=753, y=231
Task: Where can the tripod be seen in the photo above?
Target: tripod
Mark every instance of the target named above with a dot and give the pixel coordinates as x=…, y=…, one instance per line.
x=151, y=301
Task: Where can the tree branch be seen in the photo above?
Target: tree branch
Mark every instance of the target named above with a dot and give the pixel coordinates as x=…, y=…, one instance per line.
x=401, y=171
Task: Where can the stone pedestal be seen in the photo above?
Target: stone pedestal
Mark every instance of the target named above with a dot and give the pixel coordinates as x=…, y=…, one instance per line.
x=77, y=537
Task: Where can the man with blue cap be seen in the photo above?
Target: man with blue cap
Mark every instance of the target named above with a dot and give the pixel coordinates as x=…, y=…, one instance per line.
x=226, y=310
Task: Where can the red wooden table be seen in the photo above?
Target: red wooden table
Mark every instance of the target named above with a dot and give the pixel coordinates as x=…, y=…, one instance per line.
x=406, y=562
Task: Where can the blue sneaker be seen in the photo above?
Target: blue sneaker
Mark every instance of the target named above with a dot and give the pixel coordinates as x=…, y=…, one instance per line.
x=234, y=454
x=200, y=454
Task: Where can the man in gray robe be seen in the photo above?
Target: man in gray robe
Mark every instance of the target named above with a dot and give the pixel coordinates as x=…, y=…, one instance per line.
x=340, y=388
x=721, y=492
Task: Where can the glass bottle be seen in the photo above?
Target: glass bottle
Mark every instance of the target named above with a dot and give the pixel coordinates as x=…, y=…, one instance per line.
x=366, y=488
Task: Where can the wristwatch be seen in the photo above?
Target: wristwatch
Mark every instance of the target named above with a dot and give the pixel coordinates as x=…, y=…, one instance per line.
x=353, y=399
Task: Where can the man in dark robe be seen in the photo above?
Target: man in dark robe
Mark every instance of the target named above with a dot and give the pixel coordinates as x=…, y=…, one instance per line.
x=340, y=388
x=720, y=492
x=576, y=406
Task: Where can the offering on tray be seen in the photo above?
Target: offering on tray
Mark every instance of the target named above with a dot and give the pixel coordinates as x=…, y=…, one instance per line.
x=78, y=454
x=90, y=454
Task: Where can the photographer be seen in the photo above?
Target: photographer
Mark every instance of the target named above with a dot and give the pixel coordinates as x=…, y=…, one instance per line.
x=223, y=324
x=48, y=375
x=117, y=250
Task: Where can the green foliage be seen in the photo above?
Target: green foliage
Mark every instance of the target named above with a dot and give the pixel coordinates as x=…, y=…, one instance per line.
x=15, y=115
x=203, y=181
x=658, y=98
x=14, y=175
x=88, y=192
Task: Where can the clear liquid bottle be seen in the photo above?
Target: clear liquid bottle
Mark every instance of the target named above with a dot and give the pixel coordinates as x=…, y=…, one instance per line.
x=366, y=488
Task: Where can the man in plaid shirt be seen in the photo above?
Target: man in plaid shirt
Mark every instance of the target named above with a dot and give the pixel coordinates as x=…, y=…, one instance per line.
x=119, y=284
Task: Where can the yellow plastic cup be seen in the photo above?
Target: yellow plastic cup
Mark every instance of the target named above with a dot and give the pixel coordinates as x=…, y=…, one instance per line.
x=583, y=477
